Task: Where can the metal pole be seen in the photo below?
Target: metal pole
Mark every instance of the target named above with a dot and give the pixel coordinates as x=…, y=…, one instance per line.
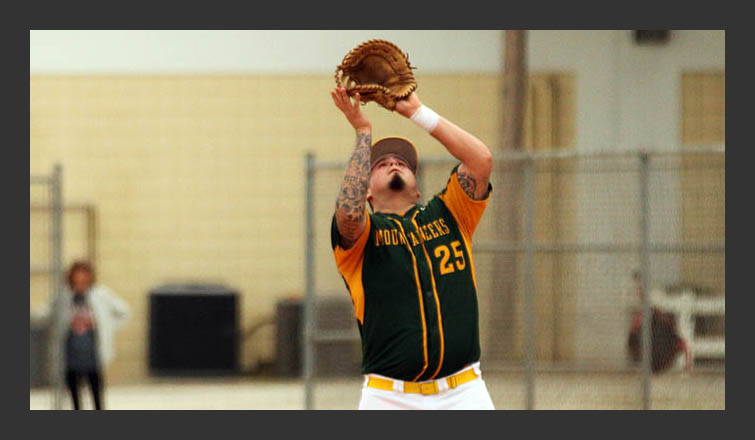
x=421, y=181
x=309, y=277
x=645, y=264
x=56, y=278
x=529, y=280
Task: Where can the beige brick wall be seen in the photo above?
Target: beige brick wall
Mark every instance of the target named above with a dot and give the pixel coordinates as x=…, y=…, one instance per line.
x=200, y=177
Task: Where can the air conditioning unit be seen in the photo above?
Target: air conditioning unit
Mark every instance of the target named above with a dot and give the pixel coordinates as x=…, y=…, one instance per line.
x=651, y=37
x=193, y=330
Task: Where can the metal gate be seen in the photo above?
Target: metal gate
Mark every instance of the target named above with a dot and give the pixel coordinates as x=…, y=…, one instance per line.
x=46, y=270
x=567, y=245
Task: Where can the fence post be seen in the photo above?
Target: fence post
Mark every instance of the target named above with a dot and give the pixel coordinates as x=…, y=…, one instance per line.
x=56, y=279
x=309, y=281
x=645, y=264
x=529, y=279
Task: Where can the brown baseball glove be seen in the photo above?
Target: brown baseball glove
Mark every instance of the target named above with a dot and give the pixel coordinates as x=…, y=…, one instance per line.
x=379, y=71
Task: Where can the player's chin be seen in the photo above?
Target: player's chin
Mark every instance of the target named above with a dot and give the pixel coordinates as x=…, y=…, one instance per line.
x=397, y=182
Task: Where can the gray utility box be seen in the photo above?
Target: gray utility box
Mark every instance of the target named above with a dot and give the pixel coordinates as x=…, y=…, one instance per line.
x=341, y=356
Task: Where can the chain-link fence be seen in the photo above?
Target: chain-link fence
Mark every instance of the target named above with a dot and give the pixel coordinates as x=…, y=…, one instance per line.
x=567, y=247
x=45, y=278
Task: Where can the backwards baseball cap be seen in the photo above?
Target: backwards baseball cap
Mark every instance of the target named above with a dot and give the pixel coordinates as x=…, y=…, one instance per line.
x=399, y=146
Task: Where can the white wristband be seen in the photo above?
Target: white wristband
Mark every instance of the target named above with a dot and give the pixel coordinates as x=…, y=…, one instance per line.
x=426, y=118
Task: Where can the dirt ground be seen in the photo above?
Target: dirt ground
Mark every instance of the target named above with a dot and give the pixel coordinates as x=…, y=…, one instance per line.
x=553, y=391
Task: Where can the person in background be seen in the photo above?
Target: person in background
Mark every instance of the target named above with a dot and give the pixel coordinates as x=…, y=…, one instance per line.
x=88, y=315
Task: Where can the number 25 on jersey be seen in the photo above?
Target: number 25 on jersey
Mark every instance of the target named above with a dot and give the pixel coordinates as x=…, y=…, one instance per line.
x=444, y=253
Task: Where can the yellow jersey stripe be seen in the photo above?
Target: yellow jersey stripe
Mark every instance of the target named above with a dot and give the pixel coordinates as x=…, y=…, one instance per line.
x=421, y=305
x=437, y=300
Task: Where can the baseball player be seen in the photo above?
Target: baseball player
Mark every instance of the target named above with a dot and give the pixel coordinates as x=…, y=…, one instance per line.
x=409, y=268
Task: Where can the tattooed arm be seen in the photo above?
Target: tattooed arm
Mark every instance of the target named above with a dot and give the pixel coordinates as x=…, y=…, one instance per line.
x=350, y=205
x=476, y=159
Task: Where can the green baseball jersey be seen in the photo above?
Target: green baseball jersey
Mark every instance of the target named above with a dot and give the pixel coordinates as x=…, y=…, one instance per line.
x=412, y=282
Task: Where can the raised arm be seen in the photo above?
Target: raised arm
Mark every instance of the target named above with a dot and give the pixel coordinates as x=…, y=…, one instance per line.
x=350, y=205
x=476, y=159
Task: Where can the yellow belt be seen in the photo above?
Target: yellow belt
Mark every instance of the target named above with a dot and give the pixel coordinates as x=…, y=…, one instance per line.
x=424, y=387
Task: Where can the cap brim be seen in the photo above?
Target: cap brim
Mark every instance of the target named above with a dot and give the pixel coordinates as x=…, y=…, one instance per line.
x=394, y=145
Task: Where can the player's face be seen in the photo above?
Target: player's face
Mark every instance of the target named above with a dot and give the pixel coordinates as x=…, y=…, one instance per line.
x=392, y=173
x=391, y=176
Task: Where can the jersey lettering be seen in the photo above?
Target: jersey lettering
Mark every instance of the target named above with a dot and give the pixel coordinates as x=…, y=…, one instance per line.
x=425, y=233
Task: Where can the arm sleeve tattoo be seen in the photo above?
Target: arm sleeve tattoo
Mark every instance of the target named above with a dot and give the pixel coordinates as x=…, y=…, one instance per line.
x=474, y=188
x=350, y=205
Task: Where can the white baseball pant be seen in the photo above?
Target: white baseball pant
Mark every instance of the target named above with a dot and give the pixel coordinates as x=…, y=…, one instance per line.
x=472, y=395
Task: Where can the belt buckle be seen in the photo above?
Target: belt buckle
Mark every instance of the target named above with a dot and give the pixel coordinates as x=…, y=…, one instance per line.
x=452, y=382
x=428, y=388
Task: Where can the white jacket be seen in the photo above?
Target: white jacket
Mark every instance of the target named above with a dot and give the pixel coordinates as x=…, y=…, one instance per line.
x=110, y=312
